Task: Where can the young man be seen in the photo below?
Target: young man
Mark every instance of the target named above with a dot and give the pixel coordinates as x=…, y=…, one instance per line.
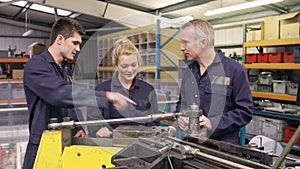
x=49, y=92
x=217, y=84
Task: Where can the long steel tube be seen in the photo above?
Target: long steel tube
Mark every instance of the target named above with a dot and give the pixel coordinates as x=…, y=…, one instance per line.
x=148, y=118
x=3, y=110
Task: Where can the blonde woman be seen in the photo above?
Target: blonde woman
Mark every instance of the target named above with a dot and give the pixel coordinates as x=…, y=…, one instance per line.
x=126, y=59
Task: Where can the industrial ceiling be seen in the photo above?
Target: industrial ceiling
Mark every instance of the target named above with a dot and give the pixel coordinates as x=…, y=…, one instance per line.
x=95, y=14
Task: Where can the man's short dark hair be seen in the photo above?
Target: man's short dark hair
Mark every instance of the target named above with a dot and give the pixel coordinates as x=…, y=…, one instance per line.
x=66, y=27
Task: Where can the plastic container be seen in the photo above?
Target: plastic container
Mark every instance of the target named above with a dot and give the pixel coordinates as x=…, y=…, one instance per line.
x=279, y=86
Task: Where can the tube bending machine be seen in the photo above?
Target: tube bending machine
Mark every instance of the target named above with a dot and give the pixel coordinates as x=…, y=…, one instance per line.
x=140, y=147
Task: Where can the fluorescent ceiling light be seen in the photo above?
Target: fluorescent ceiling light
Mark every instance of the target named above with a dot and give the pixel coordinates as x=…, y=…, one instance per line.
x=41, y=8
x=49, y=10
x=20, y=3
x=240, y=7
x=27, y=33
x=74, y=15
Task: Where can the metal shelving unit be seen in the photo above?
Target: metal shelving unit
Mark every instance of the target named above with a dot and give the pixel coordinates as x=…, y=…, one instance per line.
x=272, y=66
x=159, y=49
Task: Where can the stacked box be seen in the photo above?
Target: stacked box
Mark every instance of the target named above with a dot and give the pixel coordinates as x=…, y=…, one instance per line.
x=275, y=57
x=265, y=78
x=279, y=86
x=288, y=57
x=262, y=58
x=265, y=82
x=292, y=88
x=17, y=73
x=251, y=58
x=289, y=25
x=271, y=28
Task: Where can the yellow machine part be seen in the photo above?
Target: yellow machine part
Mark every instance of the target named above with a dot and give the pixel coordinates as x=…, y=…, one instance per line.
x=51, y=156
x=91, y=157
x=50, y=150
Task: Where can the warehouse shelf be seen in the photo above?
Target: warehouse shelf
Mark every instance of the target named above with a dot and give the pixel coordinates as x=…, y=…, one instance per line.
x=276, y=115
x=13, y=60
x=277, y=66
x=269, y=43
x=227, y=46
x=272, y=66
x=15, y=101
x=156, y=46
x=274, y=96
x=11, y=80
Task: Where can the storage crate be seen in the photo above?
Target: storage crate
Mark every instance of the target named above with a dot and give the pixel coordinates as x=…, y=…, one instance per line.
x=288, y=57
x=4, y=91
x=272, y=128
x=264, y=88
x=17, y=91
x=275, y=57
x=254, y=72
x=292, y=88
x=253, y=126
x=289, y=132
x=279, y=86
x=262, y=58
x=297, y=55
x=251, y=58
x=265, y=78
x=253, y=86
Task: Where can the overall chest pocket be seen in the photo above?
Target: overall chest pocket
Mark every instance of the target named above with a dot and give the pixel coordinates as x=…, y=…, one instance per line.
x=218, y=94
x=218, y=89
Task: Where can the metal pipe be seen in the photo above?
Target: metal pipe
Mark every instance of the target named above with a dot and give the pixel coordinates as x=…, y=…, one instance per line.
x=148, y=118
x=13, y=109
x=288, y=148
x=222, y=161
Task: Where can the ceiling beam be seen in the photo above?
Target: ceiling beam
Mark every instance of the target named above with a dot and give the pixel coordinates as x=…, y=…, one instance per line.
x=7, y=3
x=277, y=8
x=126, y=16
x=130, y=5
x=22, y=11
x=182, y=5
x=22, y=24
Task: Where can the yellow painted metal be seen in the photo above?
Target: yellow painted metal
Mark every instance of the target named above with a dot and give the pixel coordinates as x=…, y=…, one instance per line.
x=91, y=157
x=49, y=152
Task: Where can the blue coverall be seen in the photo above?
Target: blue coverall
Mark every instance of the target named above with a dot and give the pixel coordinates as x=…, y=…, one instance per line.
x=222, y=92
x=141, y=92
x=49, y=94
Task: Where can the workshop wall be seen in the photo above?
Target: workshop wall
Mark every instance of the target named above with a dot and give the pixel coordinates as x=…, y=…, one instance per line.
x=11, y=37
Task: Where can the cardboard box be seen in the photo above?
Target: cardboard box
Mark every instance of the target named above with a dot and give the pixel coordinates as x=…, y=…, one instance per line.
x=289, y=25
x=254, y=35
x=17, y=73
x=36, y=48
x=271, y=28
